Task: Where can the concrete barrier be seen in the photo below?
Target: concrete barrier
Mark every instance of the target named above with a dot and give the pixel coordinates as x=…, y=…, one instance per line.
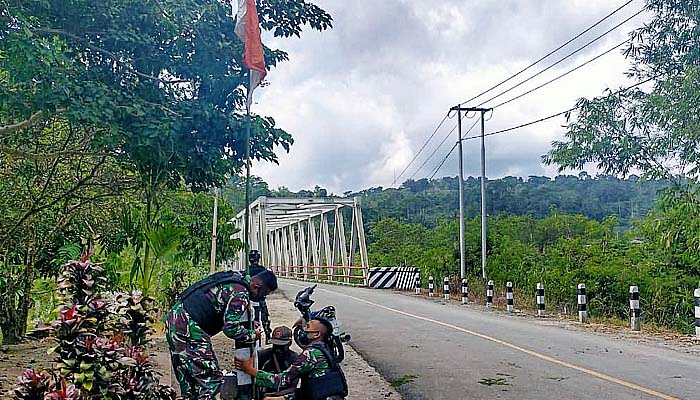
x=635, y=312
x=510, y=302
x=540, y=300
x=581, y=295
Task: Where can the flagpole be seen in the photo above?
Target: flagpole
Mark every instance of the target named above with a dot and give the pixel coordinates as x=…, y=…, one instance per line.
x=246, y=234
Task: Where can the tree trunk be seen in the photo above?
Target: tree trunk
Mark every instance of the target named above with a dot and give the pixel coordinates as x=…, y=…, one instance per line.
x=13, y=327
x=13, y=316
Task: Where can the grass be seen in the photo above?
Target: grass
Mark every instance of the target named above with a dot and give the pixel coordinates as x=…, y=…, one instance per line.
x=403, y=380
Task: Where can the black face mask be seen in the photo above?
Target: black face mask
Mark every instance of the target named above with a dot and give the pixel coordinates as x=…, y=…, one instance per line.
x=255, y=296
x=303, y=337
x=280, y=349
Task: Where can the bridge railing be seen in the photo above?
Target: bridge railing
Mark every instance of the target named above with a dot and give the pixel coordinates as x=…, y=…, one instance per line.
x=351, y=276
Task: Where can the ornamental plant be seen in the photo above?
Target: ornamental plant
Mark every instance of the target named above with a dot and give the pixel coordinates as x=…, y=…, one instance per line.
x=100, y=344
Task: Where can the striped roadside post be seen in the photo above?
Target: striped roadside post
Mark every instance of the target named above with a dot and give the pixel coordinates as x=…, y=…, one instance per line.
x=540, y=300
x=417, y=282
x=581, y=294
x=634, y=308
x=697, y=312
x=465, y=291
x=489, y=294
x=431, y=286
x=446, y=288
x=509, y=296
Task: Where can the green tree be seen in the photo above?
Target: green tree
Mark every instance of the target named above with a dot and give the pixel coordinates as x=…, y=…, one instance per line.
x=155, y=87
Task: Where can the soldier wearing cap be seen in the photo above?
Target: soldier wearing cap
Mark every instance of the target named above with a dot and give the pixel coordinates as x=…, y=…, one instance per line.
x=278, y=358
x=320, y=375
x=218, y=303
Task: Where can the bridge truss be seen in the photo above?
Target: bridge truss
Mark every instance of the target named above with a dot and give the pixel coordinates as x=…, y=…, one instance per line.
x=294, y=238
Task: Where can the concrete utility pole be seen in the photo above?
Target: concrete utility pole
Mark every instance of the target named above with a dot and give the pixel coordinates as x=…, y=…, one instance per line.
x=462, y=268
x=483, y=196
x=482, y=111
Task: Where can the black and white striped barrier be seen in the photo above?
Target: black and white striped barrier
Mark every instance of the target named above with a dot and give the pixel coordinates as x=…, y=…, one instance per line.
x=489, y=294
x=540, y=300
x=634, y=308
x=417, y=284
x=581, y=294
x=697, y=312
x=509, y=296
x=446, y=288
x=465, y=291
x=401, y=278
x=431, y=286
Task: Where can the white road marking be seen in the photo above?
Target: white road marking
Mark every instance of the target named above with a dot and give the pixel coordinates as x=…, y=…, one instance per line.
x=510, y=345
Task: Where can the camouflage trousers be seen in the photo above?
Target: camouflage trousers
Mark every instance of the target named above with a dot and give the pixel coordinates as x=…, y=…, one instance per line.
x=194, y=362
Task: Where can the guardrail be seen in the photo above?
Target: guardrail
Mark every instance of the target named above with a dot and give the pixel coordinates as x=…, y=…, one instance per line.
x=350, y=276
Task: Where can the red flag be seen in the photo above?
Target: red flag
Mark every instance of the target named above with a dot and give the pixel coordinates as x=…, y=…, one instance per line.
x=248, y=30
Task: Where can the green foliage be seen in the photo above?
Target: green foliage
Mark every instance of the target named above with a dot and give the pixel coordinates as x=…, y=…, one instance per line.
x=428, y=201
x=100, y=344
x=119, y=98
x=559, y=251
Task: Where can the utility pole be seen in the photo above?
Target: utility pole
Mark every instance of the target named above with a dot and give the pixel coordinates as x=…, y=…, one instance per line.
x=483, y=193
x=462, y=267
x=483, y=196
x=482, y=111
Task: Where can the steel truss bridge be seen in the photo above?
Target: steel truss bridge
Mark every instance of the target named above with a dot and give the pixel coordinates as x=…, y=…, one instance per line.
x=294, y=238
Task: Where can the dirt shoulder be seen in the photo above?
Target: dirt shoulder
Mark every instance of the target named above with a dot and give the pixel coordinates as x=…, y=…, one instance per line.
x=363, y=380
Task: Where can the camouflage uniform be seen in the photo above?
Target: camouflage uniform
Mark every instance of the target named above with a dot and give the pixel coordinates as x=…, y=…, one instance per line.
x=310, y=363
x=262, y=314
x=194, y=362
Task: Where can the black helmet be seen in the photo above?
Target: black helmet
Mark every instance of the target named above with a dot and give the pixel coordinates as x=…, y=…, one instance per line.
x=254, y=256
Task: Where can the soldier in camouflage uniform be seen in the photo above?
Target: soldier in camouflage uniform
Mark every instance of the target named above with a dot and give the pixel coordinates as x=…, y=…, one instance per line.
x=262, y=314
x=310, y=366
x=218, y=303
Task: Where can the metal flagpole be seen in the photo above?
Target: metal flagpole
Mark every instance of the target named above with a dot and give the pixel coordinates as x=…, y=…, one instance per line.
x=246, y=234
x=246, y=224
x=215, y=221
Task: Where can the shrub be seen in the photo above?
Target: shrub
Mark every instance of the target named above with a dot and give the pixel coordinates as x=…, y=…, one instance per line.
x=99, y=344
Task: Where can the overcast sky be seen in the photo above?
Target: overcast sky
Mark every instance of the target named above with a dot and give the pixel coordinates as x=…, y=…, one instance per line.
x=362, y=98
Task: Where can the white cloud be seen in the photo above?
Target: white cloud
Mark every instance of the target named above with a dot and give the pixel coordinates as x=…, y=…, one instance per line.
x=361, y=99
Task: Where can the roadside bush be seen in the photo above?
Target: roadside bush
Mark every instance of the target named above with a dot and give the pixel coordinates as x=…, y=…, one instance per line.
x=100, y=343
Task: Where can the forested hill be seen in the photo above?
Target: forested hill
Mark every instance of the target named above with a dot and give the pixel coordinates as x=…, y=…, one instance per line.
x=427, y=201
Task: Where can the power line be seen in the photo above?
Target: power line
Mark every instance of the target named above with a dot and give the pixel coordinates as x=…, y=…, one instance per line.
x=433, y=153
x=419, y=151
x=452, y=149
x=528, y=124
x=562, y=75
x=396, y=179
x=564, y=58
x=557, y=114
x=443, y=161
x=548, y=54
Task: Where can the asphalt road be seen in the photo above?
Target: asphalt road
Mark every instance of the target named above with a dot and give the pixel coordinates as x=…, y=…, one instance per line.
x=458, y=352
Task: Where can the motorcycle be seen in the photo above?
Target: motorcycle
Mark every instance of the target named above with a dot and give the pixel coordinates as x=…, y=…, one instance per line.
x=303, y=303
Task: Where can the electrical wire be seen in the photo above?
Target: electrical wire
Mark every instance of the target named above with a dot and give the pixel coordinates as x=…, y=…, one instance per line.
x=421, y=149
x=555, y=115
x=563, y=75
x=452, y=149
x=528, y=124
x=564, y=58
x=549, y=54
